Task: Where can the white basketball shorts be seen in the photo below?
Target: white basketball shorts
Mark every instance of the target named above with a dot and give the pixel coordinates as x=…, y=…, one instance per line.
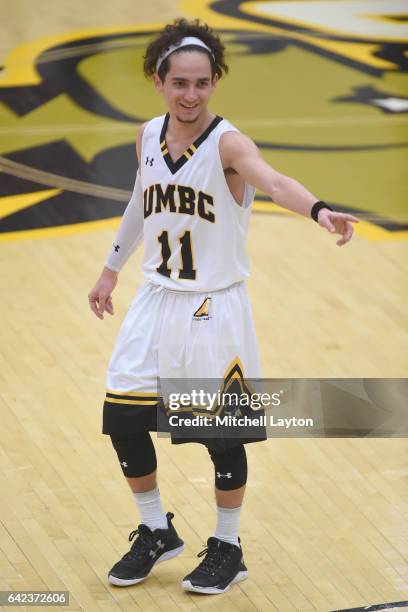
x=175, y=334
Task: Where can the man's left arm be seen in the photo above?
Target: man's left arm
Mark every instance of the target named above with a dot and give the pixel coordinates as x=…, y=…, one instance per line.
x=242, y=155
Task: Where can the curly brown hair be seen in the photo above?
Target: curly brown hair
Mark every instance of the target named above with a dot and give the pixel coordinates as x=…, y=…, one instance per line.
x=172, y=34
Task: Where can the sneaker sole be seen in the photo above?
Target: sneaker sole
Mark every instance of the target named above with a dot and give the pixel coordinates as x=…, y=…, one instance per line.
x=164, y=557
x=187, y=586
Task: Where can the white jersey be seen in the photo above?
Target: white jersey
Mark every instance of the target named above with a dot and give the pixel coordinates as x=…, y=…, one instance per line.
x=194, y=230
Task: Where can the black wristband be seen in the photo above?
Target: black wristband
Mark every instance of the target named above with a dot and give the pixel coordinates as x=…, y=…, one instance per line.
x=315, y=209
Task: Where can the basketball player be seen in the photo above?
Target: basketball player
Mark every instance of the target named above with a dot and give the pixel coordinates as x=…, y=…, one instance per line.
x=191, y=204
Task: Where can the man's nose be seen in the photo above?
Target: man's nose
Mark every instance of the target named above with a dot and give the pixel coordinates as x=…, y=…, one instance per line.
x=191, y=94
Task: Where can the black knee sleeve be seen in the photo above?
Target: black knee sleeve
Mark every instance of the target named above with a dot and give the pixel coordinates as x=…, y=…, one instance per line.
x=136, y=454
x=231, y=469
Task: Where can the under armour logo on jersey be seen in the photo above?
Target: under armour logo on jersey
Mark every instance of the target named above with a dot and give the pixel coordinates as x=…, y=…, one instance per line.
x=123, y=463
x=160, y=545
x=149, y=160
x=227, y=475
x=116, y=247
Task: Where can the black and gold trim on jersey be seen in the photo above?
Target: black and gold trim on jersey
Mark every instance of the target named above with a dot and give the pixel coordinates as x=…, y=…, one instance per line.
x=174, y=166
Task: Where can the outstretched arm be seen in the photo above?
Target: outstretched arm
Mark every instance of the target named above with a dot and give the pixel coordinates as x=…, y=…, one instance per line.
x=240, y=153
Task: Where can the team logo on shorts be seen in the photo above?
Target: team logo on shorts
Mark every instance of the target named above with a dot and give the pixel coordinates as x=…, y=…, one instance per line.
x=203, y=312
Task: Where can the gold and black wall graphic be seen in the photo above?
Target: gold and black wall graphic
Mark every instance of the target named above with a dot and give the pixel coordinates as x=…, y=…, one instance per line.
x=69, y=112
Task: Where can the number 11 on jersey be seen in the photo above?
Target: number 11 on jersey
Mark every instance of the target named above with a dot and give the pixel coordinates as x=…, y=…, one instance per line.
x=186, y=271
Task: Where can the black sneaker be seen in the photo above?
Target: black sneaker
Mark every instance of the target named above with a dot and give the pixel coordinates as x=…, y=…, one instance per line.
x=149, y=548
x=222, y=566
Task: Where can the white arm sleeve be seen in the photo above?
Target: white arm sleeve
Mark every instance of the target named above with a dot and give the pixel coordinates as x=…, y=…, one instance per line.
x=130, y=232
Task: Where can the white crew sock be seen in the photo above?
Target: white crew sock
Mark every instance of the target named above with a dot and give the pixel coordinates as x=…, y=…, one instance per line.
x=150, y=508
x=228, y=524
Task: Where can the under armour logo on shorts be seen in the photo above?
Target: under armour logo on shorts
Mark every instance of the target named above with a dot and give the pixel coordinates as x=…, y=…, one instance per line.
x=123, y=463
x=149, y=160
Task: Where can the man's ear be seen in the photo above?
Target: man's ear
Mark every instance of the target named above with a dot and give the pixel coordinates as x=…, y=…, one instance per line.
x=215, y=80
x=158, y=85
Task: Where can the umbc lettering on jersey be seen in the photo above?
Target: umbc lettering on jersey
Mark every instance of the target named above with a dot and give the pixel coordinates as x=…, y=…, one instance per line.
x=177, y=199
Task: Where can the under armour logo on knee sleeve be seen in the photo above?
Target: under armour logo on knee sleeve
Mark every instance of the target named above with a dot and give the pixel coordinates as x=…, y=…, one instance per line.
x=227, y=475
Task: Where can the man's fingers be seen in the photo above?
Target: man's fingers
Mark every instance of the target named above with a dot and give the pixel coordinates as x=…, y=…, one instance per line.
x=100, y=299
x=349, y=231
x=342, y=240
x=329, y=226
x=339, y=223
x=102, y=304
x=93, y=304
x=109, y=306
x=96, y=305
x=105, y=303
x=347, y=234
x=343, y=217
x=351, y=218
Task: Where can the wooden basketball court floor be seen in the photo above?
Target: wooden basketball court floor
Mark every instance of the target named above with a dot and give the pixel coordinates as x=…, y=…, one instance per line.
x=324, y=526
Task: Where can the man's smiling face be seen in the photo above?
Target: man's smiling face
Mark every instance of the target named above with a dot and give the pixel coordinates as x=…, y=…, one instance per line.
x=188, y=85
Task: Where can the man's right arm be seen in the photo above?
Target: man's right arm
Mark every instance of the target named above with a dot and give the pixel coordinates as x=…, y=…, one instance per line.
x=130, y=232
x=128, y=237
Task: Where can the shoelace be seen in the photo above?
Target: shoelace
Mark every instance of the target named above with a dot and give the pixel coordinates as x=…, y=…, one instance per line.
x=142, y=543
x=212, y=559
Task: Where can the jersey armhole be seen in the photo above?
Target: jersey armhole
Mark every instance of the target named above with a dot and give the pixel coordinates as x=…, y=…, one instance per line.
x=249, y=190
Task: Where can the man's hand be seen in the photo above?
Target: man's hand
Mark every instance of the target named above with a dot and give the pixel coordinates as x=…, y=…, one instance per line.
x=100, y=297
x=337, y=223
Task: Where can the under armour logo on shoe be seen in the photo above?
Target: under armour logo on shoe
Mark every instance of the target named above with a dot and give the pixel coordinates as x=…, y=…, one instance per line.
x=227, y=475
x=116, y=247
x=123, y=463
x=160, y=545
x=149, y=160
